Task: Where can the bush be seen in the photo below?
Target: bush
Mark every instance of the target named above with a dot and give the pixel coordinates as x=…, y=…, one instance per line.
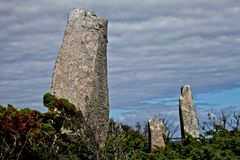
x=29, y=134
x=22, y=132
x=58, y=134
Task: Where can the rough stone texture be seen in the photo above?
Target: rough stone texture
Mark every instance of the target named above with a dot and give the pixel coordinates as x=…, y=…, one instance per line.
x=80, y=73
x=156, y=135
x=188, y=115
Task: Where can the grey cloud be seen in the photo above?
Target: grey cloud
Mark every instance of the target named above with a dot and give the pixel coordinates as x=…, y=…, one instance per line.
x=154, y=47
x=199, y=50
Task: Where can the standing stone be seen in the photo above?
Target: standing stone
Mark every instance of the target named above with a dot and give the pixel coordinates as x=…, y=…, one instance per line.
x=156, y=135
x=80, y=73
x=188, y=115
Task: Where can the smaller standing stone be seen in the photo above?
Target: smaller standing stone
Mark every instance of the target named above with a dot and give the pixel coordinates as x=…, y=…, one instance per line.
x=187, y=113
x=156, y=135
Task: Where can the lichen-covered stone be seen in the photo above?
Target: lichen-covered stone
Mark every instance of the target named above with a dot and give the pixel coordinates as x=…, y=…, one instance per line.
x=187, y=113
x=156, y=135
x=80, y=73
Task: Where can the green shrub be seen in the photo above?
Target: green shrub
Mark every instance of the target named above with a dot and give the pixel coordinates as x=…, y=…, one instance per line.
x=29, y=134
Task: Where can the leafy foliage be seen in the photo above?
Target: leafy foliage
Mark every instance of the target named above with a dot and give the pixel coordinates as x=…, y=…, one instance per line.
x=23, y=132
x=58, y=134
x=126, y=145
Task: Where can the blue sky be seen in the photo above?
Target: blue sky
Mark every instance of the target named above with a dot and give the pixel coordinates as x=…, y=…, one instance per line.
x=221, y=99
x=154, y=48
x=227, y=99
x=224, y=98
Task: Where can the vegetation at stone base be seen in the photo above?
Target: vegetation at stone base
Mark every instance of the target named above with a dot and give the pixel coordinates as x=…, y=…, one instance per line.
x=57, y=134
x=29, y=134
x=126, y=143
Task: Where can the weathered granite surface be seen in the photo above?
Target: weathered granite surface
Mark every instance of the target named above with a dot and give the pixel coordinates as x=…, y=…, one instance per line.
x=187, y=113
x=80, y=73
x=156, y=135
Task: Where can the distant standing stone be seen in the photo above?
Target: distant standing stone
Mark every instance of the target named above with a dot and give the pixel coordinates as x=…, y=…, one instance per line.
x=156, y=135
x=187, y=112
x=80, y=73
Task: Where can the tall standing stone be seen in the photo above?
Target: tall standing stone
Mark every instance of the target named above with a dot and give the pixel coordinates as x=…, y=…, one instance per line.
x=187, y=113
x=156, y=135
x=80, y=73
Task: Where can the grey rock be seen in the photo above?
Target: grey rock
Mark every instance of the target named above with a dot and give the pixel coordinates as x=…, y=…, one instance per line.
x=187, y=113
x=156, y=135
x=80, y=73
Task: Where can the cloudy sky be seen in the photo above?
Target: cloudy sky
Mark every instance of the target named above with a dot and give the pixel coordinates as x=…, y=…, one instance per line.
x=154, y=48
